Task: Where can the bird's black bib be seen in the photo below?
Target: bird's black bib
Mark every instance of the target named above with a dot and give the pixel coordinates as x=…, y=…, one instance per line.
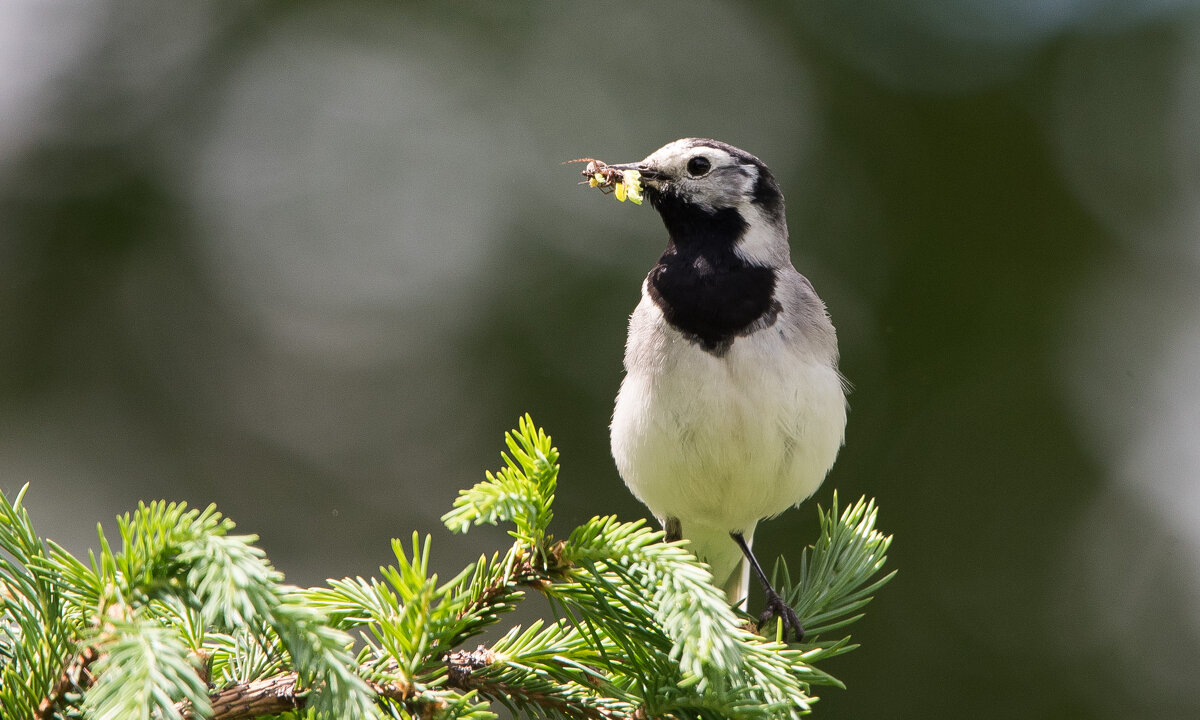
x=702, y=287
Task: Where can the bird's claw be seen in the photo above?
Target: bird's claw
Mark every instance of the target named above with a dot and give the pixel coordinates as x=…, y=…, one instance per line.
x=777, y=608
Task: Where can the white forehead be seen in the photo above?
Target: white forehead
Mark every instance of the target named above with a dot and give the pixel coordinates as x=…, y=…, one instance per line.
x=729, y=183
x=680, y=151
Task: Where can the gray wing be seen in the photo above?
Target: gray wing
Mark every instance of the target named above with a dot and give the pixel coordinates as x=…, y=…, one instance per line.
x=802, y=316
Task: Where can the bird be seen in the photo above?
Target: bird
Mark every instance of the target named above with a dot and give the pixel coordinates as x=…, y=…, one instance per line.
x=732, y=408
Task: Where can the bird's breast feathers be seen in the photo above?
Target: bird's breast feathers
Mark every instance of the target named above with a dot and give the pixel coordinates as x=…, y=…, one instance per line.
x=725, y=440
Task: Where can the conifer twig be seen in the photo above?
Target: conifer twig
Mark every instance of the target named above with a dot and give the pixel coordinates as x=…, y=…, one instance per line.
x=269, y=696
x=76, y=676
x=272, y=696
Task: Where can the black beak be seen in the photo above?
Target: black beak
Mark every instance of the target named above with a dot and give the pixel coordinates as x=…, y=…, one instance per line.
x=648, y=173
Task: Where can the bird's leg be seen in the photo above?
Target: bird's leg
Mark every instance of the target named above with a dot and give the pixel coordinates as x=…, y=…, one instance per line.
x=776, y=607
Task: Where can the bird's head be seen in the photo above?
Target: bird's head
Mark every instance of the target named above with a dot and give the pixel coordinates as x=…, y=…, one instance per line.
x=709, y=174
x=709, y=191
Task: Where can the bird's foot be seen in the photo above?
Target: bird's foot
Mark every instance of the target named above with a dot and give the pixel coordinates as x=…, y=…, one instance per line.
x=777, y=608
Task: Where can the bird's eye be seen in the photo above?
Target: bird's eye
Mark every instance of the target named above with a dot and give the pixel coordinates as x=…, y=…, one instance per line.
x=698, y=165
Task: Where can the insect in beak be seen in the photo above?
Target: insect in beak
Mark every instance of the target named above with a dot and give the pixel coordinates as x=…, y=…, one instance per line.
x=623, y=180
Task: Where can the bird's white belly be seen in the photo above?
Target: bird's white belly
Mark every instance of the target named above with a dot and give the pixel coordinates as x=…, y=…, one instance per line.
x=722, y=442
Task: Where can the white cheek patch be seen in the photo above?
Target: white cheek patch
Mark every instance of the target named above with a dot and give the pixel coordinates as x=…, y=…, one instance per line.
x=760, y=244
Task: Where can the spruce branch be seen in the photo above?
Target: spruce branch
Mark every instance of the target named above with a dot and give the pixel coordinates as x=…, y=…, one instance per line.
x=183, y=619
x=37, y=629
x=177, y=564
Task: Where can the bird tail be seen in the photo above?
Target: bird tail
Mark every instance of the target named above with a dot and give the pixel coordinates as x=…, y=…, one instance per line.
x=715, y=546
x=737, y=587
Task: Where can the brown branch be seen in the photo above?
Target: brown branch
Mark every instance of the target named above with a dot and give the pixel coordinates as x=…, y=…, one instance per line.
x=460, y=665
x=76, y=676
x=524, y=572
x=274, y=695
x=269, y=696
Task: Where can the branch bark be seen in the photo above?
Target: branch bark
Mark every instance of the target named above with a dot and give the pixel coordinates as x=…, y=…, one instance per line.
x=271, y=696
x=75, y=676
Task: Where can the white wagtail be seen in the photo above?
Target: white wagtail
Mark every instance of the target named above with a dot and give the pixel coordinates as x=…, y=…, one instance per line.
x=732, y=408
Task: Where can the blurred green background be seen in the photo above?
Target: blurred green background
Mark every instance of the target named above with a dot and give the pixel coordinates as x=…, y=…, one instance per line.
x=308, y=261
